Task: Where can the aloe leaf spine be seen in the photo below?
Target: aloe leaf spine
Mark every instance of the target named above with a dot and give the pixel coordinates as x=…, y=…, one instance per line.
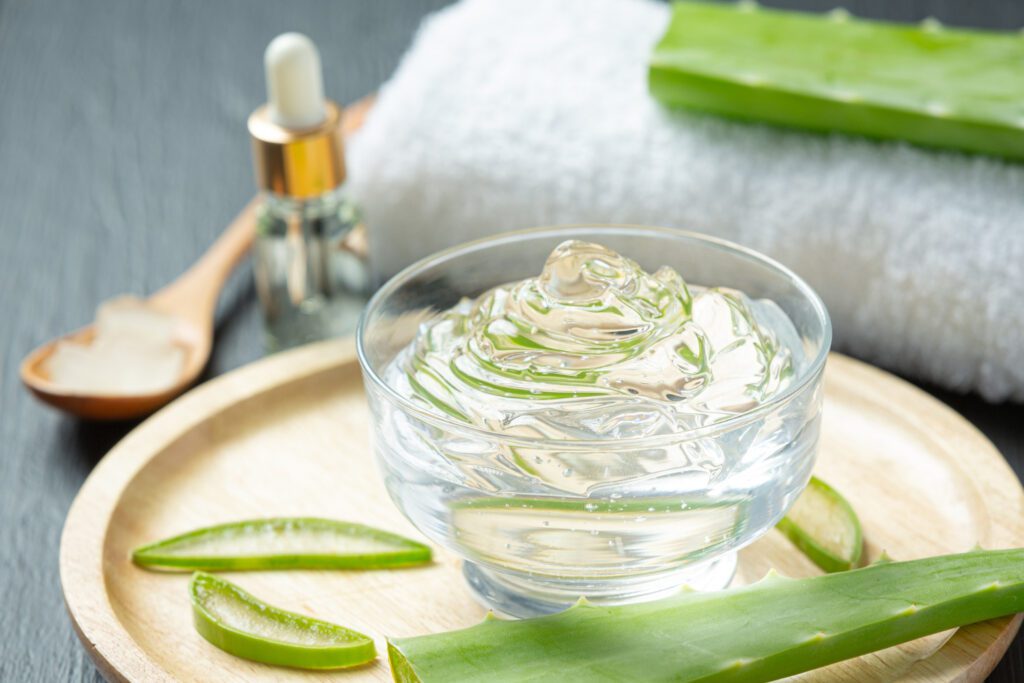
x=774, y=628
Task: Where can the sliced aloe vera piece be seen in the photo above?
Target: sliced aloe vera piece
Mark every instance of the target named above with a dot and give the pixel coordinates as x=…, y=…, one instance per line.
x=283, y=543
x=244, y=626
x=925, y=84
x=824, y=527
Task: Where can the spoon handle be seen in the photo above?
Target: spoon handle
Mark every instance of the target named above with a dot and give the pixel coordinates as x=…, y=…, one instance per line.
x=194, y=293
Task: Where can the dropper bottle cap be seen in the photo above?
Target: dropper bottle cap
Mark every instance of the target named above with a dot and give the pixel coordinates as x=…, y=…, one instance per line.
x=296, y=136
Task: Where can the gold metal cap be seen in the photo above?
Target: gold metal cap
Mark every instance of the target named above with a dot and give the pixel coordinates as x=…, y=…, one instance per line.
x=298, y=163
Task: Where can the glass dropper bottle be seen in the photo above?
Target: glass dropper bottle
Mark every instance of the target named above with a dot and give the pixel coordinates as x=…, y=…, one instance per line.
x=309, y=257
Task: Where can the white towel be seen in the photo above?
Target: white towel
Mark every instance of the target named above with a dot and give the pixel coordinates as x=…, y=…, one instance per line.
x=510, y=115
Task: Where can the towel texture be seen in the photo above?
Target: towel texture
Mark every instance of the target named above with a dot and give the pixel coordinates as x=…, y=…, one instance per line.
x=505, y=116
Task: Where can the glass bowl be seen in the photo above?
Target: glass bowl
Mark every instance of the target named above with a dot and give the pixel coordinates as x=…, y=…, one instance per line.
x=534, y=528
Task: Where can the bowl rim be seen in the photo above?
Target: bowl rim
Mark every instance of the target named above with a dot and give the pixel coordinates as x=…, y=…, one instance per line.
x=807, y=378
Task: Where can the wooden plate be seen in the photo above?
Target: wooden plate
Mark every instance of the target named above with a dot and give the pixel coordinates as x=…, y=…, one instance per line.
x=289, y=435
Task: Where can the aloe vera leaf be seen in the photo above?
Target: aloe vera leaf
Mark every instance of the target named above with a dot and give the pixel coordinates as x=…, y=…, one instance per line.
x=283, y=543
x=925, y=84
x=244, y=626
x=774, y=628
x=823, y=525
x=584, y=505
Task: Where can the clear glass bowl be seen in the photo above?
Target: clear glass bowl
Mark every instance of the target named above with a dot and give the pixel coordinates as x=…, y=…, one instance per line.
x=675, y=508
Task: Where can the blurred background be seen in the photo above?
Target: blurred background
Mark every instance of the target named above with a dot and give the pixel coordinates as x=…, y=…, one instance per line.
x=124, y=154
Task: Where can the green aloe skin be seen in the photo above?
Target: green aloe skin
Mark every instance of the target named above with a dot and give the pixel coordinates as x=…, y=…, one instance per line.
x=824, y=527
x=242, y=625
x=924, y=84
x=283, y=543
x=775, y=628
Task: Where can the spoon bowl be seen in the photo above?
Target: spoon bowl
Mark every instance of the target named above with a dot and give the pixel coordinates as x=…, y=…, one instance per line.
x=191, y=300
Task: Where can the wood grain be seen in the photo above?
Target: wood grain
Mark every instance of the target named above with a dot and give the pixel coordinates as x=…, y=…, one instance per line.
x=122, y=136
x=289, y=435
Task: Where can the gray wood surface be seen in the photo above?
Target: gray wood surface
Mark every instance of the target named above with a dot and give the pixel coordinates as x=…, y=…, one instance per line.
x=123, y=153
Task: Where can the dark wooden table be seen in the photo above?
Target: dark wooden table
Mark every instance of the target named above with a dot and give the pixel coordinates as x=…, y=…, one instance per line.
x=123, y=153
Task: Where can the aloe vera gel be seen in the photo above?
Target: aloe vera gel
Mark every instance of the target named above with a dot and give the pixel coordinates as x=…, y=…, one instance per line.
x=600, y=429
x=594, y=346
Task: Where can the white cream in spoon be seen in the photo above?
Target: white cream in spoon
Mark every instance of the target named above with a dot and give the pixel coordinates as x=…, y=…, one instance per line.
x=132, y=353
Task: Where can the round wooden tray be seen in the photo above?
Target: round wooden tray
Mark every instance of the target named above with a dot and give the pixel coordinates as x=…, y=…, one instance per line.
x=289, y=435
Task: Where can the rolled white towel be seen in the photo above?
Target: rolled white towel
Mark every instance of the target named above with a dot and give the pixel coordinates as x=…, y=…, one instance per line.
x=509, y=115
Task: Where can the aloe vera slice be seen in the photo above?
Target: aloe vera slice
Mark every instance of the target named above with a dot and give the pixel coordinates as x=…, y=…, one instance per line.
x=244, y=626
x=925, y=84
x=283, y=543
x=823, y=525
x=775, y=628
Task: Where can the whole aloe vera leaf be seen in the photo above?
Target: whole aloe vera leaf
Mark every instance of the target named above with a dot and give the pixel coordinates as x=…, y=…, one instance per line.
x=823, y=525
x=925, y=84
x=244, y=626
x=283, y=543
x=774, y=628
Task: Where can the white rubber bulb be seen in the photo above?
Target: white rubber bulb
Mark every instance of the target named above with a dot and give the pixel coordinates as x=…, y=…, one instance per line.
x=295, y=82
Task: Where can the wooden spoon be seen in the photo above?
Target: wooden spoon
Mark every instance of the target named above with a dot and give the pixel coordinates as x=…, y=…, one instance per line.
x=191, y=299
